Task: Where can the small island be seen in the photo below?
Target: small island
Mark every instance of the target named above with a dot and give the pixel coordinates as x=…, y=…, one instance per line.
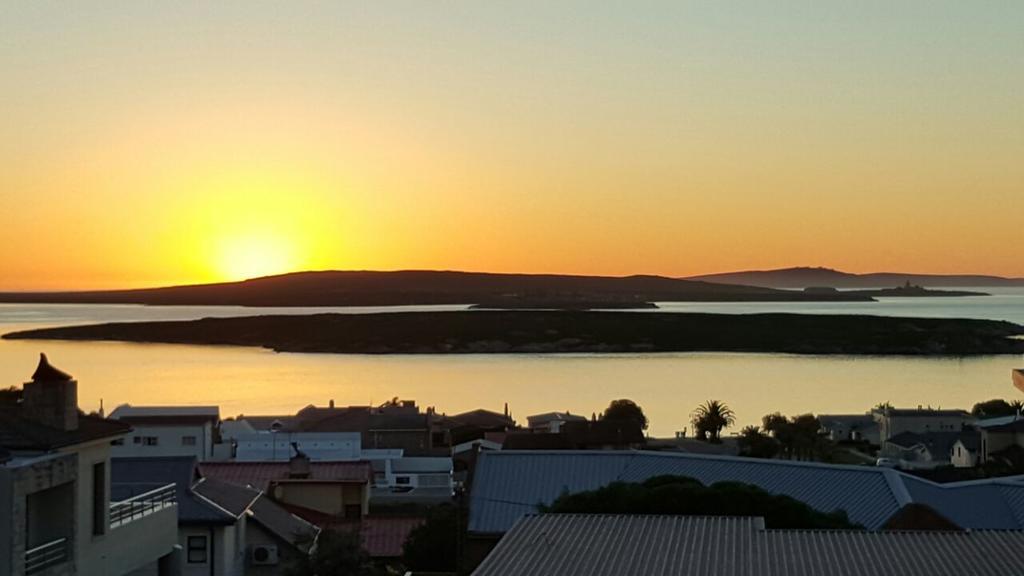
x=494, y=332
x=906, y=290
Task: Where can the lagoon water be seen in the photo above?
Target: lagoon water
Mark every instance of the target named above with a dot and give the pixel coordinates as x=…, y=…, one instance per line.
x=667, y=385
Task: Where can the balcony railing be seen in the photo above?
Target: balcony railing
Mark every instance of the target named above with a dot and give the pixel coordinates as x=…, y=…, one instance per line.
x=46, y=555
x=140, y=506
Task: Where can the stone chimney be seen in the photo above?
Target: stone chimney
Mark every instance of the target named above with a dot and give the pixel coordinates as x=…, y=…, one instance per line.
x=51, y=397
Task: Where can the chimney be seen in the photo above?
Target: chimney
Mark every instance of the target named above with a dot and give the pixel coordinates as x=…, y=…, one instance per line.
x=51, y=397
x=330, y=404
x=298, y=465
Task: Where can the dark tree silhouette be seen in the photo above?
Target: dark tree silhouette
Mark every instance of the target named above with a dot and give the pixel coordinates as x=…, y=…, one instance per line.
x=434, y=546
x=756, y=444
x=710, y=418
x=993, y=409
x=625, y=410
x=685, y=496
x=338, y=553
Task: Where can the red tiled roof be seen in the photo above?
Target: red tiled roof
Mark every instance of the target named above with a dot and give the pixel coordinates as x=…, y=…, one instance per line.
x=258, y=475
x=382, y=536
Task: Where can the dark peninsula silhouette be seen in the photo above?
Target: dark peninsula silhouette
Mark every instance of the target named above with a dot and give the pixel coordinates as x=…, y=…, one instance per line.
x=803, y=277
x=425, y=287
x=562, y=331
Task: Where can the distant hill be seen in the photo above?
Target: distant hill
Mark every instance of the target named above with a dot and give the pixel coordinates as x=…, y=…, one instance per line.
x=422, y=287
x=804, y=277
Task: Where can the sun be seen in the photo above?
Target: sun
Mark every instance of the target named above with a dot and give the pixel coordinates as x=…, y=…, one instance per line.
x=255, y=255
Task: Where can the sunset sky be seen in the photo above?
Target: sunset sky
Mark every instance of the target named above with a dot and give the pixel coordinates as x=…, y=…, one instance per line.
x=145, y=144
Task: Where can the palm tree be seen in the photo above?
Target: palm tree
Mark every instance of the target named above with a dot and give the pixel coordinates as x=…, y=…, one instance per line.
x=710, y=418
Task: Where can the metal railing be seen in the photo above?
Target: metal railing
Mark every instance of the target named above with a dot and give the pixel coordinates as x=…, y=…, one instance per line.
x=46, y=555
x=136, y=507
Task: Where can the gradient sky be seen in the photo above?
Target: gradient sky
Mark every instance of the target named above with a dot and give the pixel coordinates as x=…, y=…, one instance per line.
x=145, y=143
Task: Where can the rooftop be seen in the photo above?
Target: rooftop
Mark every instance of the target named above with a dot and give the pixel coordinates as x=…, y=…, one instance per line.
x=127, y=411
x=624, y=545
x=259, y=475
x=20, y=433
x=510, y=484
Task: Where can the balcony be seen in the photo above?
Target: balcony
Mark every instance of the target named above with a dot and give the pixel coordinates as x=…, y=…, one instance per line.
x=138, y=507
x=46, y=555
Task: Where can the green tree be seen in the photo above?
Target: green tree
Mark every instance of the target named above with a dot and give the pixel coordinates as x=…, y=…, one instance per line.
x=337, y=553
x=434, y=545
x=756, y=444
x=710, y=418
x=625, y=410
x=799, y=437
x=680, y=495
x=993, y=409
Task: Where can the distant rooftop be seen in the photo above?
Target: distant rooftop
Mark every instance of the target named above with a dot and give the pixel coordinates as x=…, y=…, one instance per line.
x=259, y=475
x=627, y=545
x=925, y=412
x=125, y=411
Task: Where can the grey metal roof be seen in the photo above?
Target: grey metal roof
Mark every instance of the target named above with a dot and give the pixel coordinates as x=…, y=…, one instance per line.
x=510, y=484
x=597, y=545
x=133, y=476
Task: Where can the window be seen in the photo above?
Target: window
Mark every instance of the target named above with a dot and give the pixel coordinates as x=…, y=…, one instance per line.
x=99, y=498
x=401, y=479
x=137, y=440
x=151, y=441
x=188, y=440
x=197, y=549
x=117, y=442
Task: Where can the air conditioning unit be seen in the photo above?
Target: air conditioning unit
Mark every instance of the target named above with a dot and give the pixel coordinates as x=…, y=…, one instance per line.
x=264, y=555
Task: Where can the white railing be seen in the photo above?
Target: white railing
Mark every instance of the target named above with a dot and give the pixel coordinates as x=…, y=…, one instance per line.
x=136, y=507
x=46, y=555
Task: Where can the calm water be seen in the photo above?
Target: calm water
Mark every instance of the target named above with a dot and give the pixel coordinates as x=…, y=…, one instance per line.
x=668, y=386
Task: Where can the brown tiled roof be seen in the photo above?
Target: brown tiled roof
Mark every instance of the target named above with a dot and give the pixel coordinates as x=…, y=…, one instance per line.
x=382, y=536
x=20, y=433
x=259, y=475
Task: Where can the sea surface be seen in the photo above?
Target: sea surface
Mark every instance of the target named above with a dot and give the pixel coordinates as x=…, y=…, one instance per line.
x=667, y=385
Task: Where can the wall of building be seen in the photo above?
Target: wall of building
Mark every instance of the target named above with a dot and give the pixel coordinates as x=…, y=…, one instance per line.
x=962, y=457
x=256, y=535
x=327, y=497
x=20, y=480
x=891, y=425
x=168, y=442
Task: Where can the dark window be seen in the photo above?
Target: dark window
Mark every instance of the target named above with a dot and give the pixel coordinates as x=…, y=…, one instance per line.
x=197, y=549
x=151, y=441
x=99, y=498
x=137, y=440
x=401, y=479
x=117, y=442
x=188, y=440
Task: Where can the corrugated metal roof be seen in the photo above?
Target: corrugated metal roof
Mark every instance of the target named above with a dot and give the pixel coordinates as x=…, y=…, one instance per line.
x=508, y=484
x=596, y=545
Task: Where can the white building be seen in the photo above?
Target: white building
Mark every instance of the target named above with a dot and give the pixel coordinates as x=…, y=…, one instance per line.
x=56, y=514
x=168, y=431
x=895, y=421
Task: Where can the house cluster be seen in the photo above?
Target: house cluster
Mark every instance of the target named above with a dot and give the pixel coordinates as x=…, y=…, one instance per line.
x=928, y=438
x=207, y=495
x=175, y=491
